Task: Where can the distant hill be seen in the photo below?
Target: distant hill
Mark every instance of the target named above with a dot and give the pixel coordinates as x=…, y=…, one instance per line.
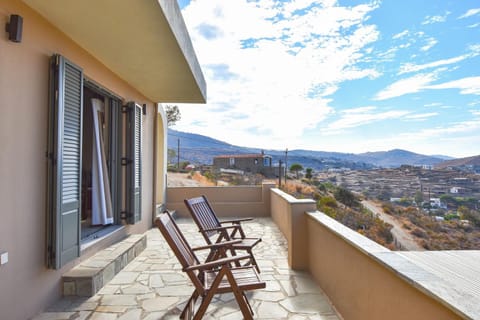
x=199, y=149
x=462, y=162
x=397, y=157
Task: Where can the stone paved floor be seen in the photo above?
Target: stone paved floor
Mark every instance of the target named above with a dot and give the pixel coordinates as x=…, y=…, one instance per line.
x=154, y=287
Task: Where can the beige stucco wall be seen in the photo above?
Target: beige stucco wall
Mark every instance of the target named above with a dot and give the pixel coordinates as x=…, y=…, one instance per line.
x=359, y=286
x=239, y=201
x=289, y=215
x=27, y=285
x=160, y=158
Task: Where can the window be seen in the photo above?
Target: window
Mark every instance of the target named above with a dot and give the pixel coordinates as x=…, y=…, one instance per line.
x=80, y=114
x=232, y=162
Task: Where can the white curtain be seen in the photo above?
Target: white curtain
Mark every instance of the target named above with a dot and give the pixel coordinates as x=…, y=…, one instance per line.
x=101, y=198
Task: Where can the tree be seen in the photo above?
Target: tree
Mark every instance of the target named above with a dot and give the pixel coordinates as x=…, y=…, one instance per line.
x=469, y=214
x=171, y=155
x=173, y=114
x=308, y=173
x=345, y=196
x=419, y=198
x=296, y=167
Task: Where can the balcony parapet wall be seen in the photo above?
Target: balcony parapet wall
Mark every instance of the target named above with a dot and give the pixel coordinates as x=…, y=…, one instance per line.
x=365, y=280
x=289, y=215
x=237, y=201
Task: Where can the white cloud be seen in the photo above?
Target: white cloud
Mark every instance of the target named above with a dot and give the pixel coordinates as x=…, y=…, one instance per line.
x=421, y=116
x=401, y=34
x=435, y=19
x=469, y=85
x=456, y=128
x=475, y=113
x=271, y=66
x=430, y=43
x=433, y=104
x=410, y=67
x=362, y=116
x=419, y=82
x=470, y=13
x=401, y=87
x=274, y=67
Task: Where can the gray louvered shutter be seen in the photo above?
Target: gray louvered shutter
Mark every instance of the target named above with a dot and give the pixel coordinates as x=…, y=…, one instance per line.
x=114, y=165
x=65, y=154
x=134, y=168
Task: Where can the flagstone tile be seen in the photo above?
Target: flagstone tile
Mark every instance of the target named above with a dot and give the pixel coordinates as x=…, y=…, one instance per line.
x=153, y=286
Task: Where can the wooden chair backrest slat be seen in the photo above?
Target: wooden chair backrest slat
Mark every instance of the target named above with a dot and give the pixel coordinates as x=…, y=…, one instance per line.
x=176, y=240
x=203, y=215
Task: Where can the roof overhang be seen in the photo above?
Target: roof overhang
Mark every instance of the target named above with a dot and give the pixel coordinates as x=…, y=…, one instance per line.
x=145, y=42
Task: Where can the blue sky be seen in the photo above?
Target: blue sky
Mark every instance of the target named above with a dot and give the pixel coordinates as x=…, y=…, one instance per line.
x=346, y=76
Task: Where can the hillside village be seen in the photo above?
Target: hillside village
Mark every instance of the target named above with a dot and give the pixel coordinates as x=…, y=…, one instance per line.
x=406, y=182
x=438, y=209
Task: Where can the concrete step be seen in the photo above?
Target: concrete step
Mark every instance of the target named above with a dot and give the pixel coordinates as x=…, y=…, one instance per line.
x=87, y=278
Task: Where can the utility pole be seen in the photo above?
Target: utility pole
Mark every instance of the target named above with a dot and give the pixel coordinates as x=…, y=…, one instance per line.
x=178, y=154
x=279, y=173
x=286, y=157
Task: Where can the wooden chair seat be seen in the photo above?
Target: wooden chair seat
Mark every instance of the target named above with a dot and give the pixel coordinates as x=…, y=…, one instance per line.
x=246, y=277
x=247, y=243
x=213, y=276
x=216, y=231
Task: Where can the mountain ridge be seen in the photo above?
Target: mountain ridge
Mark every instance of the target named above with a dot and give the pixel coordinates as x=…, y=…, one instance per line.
x=200, y=149
x=468, y=161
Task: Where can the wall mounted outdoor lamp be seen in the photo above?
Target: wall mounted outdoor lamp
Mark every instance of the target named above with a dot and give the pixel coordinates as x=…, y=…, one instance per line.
x=14, y=28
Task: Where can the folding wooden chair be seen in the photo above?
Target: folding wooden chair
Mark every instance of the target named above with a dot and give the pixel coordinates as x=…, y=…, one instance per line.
x=212, y=277
x=216, y=231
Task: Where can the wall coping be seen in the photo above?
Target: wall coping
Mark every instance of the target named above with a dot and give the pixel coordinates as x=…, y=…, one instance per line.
x=291, y=199
x=448, y=293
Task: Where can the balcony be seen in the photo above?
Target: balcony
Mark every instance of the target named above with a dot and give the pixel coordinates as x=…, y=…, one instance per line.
x=362, y=279
x=154, y=287
x=315, y=268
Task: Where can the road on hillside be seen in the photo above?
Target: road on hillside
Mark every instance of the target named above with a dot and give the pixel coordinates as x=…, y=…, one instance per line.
x=402, y=238
x=181, y=180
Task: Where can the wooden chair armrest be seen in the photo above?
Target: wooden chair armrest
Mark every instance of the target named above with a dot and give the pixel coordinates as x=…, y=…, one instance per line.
x=236, y=220
x=218, y=245
x=220, y=228
x=216, y=263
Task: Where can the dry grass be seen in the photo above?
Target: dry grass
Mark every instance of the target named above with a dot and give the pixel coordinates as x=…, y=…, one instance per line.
x=197, y=176
x=298, y=188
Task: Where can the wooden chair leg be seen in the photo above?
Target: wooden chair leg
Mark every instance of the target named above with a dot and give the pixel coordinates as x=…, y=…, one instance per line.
x=253, y=261
x=211, y=292
x=240, y=297
x=189, y=309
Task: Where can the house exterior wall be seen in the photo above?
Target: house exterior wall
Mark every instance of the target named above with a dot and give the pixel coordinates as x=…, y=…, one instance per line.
x=249, y=164
x=161, y=159
x=28, y=286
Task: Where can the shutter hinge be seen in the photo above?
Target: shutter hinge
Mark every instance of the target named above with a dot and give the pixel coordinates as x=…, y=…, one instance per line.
x=124, y=215
x=125, y=161
x=126, y=108
x=51, y=252
x=50, y=157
